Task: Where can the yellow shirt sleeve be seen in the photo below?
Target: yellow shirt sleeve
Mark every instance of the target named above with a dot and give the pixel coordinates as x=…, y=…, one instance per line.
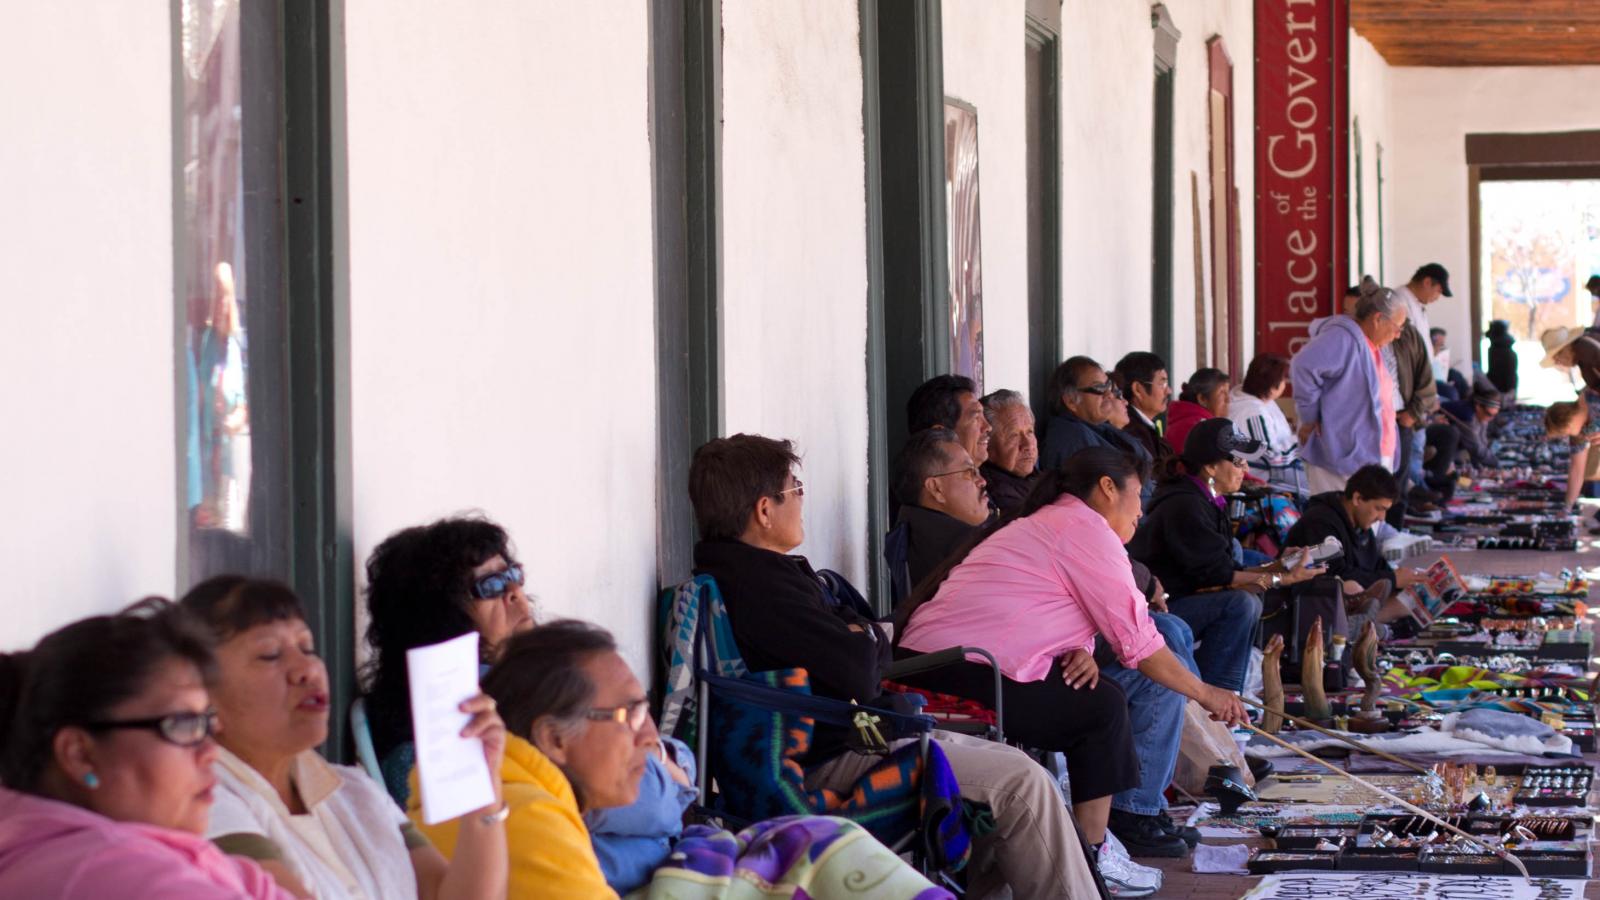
x=552, y=857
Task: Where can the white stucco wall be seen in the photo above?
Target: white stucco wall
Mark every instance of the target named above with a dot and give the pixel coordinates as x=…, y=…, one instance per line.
x=86, y=312
x=1199, y=22
x=1370, y=105
x=983, y=65
x=794, y=308
x=1107, y=83
x=502, y=289
x=1434, y=111
x=1107, y=77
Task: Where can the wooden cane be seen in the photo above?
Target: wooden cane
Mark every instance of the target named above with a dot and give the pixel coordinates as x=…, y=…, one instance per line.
x=1364, y=748
x=1500, y=852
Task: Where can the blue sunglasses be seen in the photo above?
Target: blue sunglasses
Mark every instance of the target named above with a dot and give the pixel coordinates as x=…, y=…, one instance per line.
x=495, y=585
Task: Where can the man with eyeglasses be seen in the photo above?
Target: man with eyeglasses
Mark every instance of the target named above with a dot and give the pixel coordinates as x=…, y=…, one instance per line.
x=942, y=498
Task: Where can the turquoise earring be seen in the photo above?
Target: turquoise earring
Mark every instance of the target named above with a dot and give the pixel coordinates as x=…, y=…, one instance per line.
x=91, y=781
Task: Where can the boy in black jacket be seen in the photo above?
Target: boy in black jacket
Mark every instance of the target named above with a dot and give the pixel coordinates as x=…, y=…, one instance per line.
x=1349, y=516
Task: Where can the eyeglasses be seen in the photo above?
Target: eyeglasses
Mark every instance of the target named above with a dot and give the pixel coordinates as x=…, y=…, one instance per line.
x=186, y=729
x=1241, y=463
x=799, y=489
x=1101, y=389
x=494, y=585
x=633, y=714
x=970, y=471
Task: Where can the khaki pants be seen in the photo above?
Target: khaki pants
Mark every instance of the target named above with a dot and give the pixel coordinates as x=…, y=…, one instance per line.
x=1321, y=481
x=1035, y=847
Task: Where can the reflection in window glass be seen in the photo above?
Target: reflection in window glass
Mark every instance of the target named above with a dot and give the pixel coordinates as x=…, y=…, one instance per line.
x=215, y=280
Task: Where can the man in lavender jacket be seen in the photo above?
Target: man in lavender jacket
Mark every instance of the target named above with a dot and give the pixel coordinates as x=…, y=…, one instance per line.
x=1342, y=394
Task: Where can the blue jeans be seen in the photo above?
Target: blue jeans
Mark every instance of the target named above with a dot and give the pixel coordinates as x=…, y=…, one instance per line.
x=1156, y=717
x=1418, y=446
x=1225, y=623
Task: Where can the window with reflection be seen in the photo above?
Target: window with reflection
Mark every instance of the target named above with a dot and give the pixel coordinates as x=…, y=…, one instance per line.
x=228, y=297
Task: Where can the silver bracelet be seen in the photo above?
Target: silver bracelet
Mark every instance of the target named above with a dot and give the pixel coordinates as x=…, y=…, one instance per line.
x=497, y=816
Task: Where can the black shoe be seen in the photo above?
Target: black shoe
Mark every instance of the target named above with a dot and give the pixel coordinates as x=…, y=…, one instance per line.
x=1185, y=833
x=1144, y=836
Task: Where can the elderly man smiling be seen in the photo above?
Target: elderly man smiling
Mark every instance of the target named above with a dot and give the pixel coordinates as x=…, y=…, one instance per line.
x=1013, y=450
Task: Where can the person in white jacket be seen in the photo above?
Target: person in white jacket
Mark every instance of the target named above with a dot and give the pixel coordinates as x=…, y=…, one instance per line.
x=1255, y=411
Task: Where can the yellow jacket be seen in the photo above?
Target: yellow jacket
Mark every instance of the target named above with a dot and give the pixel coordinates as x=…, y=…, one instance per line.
x=551, y=855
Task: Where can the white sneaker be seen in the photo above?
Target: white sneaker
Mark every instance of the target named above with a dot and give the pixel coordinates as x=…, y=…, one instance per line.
x=1123, y=876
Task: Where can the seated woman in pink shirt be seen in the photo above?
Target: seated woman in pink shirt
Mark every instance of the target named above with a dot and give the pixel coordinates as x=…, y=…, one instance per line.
x=106, y=732
x=1035, y=591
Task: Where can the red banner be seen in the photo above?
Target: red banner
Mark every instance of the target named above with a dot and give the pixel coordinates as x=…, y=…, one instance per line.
x=1302, y=178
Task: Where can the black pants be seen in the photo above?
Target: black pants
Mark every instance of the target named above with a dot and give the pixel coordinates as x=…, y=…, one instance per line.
x=1089, y=726
x=1444, y=441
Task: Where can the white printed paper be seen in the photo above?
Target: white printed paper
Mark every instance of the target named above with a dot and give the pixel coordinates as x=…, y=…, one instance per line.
x=1411, y=885
x=451, y=771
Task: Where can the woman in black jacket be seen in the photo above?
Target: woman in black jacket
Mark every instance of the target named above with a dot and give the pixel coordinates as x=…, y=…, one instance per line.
x=1187, y=541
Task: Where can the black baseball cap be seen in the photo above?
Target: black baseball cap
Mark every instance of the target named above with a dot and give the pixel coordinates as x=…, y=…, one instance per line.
x=1214, y=440
x=1437, y=273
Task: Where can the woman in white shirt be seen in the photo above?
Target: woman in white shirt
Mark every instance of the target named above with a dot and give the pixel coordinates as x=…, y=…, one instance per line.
x=1255, y=411
x=322, y=830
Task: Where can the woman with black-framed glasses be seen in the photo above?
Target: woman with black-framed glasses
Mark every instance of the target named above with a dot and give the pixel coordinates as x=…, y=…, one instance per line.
x=105, y=753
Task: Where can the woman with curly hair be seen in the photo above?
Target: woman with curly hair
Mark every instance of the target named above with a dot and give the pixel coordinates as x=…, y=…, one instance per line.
x=434, y=582
x=427, y=584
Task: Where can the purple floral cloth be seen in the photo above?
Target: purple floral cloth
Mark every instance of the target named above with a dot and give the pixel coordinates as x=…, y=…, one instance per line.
x=806, y=856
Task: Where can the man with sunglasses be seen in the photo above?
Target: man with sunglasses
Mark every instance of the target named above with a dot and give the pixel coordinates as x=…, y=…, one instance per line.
x=1082, y=400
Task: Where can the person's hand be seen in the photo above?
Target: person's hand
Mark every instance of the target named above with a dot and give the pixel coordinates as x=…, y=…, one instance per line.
x=1079, y=670
x=1307, y=430
x=487, y=726
x=1404, y=578
x=856, y=628
x=1406, y=420
x=1302, y=573
x=664, y=753
x=1224, y=706
x=1158, y=596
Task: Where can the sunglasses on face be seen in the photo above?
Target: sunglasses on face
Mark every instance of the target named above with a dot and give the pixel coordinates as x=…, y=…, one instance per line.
x=1101, y=389
x=186, y=729
x=633, y=715
x=495, y=585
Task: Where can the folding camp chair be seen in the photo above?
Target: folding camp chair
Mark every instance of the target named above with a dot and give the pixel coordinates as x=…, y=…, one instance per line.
x=752, y=732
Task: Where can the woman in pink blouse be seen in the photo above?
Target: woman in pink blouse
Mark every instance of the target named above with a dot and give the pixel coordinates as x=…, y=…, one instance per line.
x=106, y=732
x=1036, y=590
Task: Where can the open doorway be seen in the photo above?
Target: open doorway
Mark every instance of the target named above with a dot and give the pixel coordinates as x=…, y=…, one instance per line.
x=1538, y=243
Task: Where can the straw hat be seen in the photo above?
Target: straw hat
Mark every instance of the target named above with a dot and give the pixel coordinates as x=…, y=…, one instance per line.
x=1555, y=340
